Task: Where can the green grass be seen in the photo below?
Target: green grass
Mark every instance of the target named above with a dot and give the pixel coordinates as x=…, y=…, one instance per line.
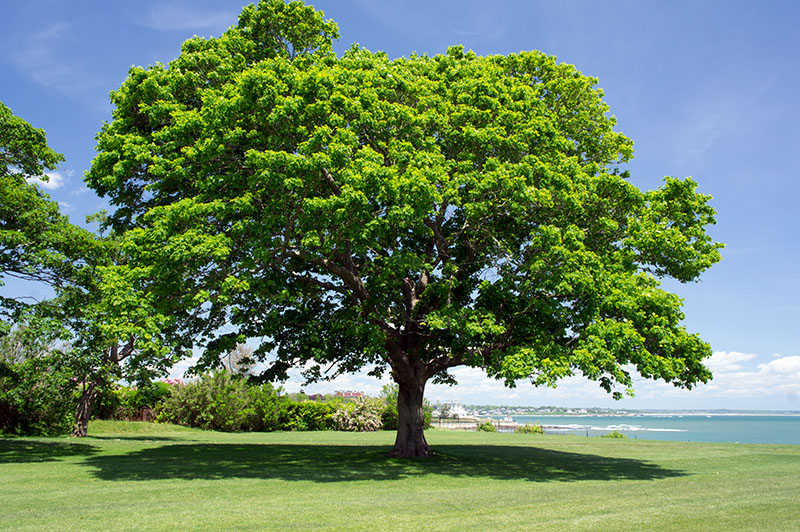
x=137, y=476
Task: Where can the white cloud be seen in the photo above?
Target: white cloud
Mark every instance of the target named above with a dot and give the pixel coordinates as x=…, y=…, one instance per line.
x=185, y=16
x=54, y=181
x=726, y=362
x=786, y=366
x=773, y=380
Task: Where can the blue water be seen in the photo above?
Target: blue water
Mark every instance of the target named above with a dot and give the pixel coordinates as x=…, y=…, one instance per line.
x=678, y=427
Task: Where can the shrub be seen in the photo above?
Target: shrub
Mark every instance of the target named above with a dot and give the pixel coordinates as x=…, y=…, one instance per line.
x=614, y=434
x=36, y=397
x=127, y=402
x=486, y=426
x=221, y=401
x=307, y=415
x=389, y=417
x=361, y=415
x=108, y=402
x=530, y=428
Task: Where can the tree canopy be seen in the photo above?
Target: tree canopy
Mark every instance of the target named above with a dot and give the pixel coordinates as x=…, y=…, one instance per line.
x=409, y=215
x=37, y=242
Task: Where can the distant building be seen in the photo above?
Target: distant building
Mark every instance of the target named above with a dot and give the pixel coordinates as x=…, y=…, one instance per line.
x=456, y=409
x=348, y=394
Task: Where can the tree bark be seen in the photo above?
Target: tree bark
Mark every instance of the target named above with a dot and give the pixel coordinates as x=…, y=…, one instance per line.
x=84, y=411
x=410, y=442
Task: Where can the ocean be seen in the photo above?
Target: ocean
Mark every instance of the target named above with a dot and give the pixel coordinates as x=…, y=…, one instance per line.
x=740, y=428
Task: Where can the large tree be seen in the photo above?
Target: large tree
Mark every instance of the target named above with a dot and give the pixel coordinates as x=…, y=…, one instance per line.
x=409, y=215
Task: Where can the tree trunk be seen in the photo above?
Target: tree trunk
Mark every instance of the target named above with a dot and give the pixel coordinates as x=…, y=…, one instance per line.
x=84, y=411
x=410, y=440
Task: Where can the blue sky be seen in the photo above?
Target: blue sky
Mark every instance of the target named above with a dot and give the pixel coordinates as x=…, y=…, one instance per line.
x=704, y=88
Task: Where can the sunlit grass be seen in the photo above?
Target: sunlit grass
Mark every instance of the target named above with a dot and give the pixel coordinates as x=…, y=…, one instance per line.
x=136, y=476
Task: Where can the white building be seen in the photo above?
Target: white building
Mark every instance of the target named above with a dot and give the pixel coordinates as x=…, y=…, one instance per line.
x=456, y=409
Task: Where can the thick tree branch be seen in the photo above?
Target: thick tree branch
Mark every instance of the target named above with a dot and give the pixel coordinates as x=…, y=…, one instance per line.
x=116, y=356
x=442, y=363
x=329, y=178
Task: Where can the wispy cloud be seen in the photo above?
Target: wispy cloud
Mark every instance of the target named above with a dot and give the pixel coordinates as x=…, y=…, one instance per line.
x=480, y=34
x=41, y=56
x=185, y=16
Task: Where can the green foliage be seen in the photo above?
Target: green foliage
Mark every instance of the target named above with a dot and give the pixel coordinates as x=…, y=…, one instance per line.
x=37, y=242
x=529, y=428
x=361, y=415
x=226, y=402
x=36, y=396
x=127, y=402
x=305, y=415
x=486, y=426
x=220, y=401
x=36, y=384
x=389, y=418
x=408, y=215
x=615, y=434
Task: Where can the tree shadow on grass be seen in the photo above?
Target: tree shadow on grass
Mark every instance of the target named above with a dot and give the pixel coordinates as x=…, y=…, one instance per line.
x=13, y=451
x=139, y=437
x=335, y=463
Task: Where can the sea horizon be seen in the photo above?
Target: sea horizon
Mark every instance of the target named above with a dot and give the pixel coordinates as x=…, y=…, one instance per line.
x=739, y=427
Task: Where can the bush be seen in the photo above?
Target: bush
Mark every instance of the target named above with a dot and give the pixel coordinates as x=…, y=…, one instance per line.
x=36, y=397
x=108, y=402
x=361, y=415
x=149, y=395
x=307, y=415
x=486, y=426
x=614, y=434
x=530, y=428
x=127, y=402
x=221, y=401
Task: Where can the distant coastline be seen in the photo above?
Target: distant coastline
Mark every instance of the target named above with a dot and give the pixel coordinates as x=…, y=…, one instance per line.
x=506, y=410
x=731, y=426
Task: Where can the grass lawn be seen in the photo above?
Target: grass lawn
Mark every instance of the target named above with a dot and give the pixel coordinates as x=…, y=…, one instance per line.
x=137, y=476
